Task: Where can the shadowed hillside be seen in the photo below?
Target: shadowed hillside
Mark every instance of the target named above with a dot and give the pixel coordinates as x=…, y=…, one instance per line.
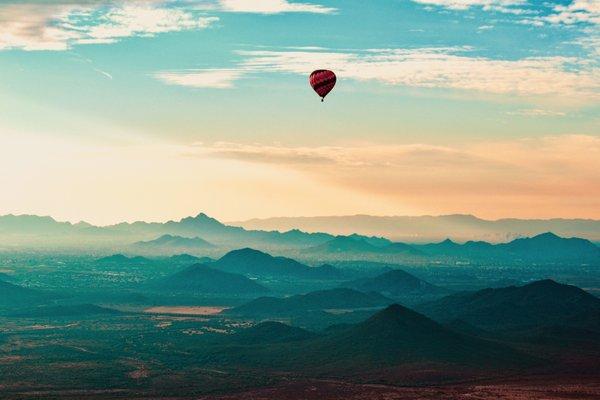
x=202, y=279
x=540, y=303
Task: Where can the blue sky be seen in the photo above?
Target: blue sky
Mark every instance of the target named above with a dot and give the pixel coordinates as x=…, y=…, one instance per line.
x=492, y=105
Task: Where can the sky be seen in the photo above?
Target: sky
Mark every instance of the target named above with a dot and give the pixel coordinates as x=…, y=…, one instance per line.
x=154, y=110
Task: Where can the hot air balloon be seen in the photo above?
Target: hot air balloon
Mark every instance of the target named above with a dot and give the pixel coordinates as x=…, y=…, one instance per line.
x=322, y=81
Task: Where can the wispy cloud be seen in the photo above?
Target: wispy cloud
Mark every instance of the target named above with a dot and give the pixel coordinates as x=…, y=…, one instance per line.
x=57, y=27
x=537, y=112
x=272, y=7
x=578, y=11
x=505, y=6
x=450, y=68
x=216, y=79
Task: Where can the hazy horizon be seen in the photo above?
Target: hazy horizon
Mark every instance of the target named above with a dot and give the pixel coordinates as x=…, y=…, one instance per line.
x=283, y=217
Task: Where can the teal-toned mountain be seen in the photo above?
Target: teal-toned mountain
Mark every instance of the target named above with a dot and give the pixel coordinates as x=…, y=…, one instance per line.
x=271, y=332
x=545, y=247
x=394, y=337
x=205, y=280
x=354, y=244
x=541, y=303
x=399, y=285
x=256, y=263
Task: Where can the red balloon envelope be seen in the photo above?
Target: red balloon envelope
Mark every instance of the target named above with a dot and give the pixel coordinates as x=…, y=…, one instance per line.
x=322, y=81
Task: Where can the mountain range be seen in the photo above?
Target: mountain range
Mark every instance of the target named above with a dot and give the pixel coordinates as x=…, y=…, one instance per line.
x=422, y=229
x=545, y=247
x=393, y=337
x=201, y=231
x=39, y=231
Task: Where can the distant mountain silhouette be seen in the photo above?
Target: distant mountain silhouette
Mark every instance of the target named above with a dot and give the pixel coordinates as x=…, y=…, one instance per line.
x=252, y=262
x=27, y=224
x=549, y=246
x=376, y=241
x=202, y=279
x=541, y=303
x=358, y=244
x=431, y=228
x=218, y=233
x=398, y=284
x=41, y=230
x=345, y=299
x=271, y=332
x=174, y=243
x=44, y=231
x=546, y=247
x=121, y=259
x=77, y=310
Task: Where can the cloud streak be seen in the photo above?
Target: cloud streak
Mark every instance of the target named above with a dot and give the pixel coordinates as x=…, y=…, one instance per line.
x=215, y=79
x=505, y=6
x=272, y=7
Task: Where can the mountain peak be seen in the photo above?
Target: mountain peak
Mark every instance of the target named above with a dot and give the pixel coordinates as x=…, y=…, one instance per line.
x=202, y=219
x=545, y=283
x=547, y=235
x=394, y=313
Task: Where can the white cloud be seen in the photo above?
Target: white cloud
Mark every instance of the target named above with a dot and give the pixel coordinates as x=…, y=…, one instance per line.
x=537, y=112
x=33, y=25
x=447, y=68
x=58, y=27
x=507, y=6
x=216, y=79
x=144, y=20
x=272, y=7
x=577, y=12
